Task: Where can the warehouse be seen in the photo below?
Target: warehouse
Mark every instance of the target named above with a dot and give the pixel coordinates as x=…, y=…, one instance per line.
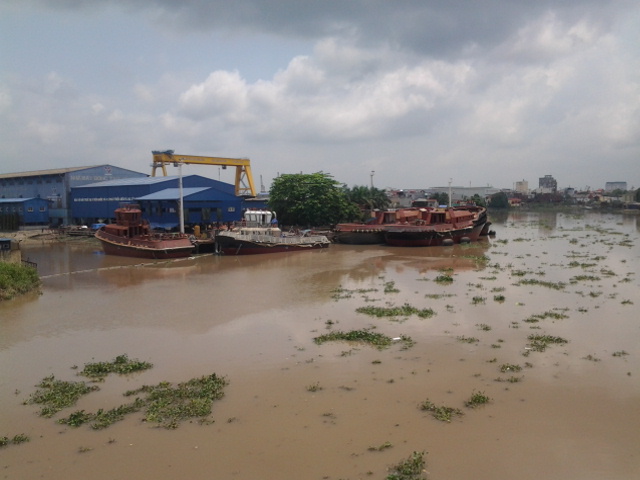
x=20, y=212
x=55, y=186
x=205, y=200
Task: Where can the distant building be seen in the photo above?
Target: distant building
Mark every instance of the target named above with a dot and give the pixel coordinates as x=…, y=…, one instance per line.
x=522, y=187
x=611, y=186
x=547, y=184
x=26, y=211
x=55, y=186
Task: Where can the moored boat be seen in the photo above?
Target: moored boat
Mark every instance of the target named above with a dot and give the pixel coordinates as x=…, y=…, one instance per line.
x=424, y=227
x=131, y=236
x=370, y=232
x=259, y=233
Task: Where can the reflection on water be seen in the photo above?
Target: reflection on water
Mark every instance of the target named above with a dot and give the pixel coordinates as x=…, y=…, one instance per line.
x=254, y=318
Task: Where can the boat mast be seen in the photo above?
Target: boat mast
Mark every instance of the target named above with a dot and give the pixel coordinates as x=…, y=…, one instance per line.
x=450, y=192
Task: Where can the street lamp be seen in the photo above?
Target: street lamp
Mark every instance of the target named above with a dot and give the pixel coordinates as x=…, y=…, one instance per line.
x=372, y=173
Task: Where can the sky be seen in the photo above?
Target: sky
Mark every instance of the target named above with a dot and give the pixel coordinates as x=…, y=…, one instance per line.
x=398, y=93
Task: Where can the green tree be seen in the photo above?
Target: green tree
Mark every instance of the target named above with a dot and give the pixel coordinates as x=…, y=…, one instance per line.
x=637, y=196
x=478, y=200
x=499, y=200
x=310, y=200
x=368, y=198
x=441, y=197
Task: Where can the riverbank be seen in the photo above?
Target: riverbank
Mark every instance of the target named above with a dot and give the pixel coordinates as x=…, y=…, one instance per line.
x=16, y=279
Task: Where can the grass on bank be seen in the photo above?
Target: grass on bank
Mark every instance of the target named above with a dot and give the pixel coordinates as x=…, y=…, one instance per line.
x=17, y=279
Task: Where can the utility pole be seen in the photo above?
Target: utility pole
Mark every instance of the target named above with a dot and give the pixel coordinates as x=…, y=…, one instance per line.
x=372, y=173
x=450, y=192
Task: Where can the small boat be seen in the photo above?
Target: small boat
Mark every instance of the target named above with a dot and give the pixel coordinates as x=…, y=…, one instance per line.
x=131, y=236
x=258, y=233
x=424, y=227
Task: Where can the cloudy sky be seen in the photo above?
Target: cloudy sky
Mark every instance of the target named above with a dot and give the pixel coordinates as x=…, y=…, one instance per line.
x=420, y=92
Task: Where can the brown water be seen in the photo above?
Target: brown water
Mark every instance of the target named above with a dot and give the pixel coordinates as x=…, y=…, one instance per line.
x=574, y=415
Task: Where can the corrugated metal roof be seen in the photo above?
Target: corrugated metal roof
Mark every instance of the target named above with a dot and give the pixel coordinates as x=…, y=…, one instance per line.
x=172, y=193
x=128, y=182
x=15, y=200
x=54, y=171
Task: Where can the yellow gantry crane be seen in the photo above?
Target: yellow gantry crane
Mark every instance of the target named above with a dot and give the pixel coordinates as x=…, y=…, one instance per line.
x=244, y=180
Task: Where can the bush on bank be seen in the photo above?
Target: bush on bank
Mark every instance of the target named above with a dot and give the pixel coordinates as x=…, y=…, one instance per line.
x=16, y=279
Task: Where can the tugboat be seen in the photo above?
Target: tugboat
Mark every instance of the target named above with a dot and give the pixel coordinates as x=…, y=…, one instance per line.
x=258, y=232
x=131, y=236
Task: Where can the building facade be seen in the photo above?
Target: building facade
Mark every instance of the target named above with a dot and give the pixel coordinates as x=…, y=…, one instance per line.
x=20, y=212
x=55, y=186
x=204, y=200
x=611, y=186
x=547, y=184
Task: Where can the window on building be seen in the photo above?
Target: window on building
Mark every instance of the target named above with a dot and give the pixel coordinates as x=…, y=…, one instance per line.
x=42, y=209
x=30, y=209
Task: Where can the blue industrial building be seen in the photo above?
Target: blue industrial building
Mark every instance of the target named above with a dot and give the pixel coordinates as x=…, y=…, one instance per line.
x=55, y=186
x=205, y=200
x=26, y=211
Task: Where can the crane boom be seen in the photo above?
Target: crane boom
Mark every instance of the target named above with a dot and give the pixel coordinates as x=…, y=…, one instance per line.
x=244, y=179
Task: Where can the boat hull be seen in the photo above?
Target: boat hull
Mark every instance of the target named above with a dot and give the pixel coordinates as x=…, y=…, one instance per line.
x=416, y=236
x=234, y=246
x=146, y=246
x=360, y=236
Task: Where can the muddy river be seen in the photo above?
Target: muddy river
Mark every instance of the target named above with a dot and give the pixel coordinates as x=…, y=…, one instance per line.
x=295, y=409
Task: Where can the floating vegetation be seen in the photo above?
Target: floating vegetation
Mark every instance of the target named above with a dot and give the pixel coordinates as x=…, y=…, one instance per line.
x=477, y=399
x=508, y=367
x=542, y=316
x=584, y=278
x=340, y=293
x=378, y=340
x=483, y=326
x=314, y=387
x=168, y=405
x=626, y=302
x=539, y=343
x=591, y=358
x=478, y=300
x=380, y=448
x=442, y=413
x=620, y=353
x=55, y=395
x=120, y=365
x=499, y=298
x=410, y=469
x=436, y=296
x=481, y=259
x=518, y=273
x=533, y=281
x=390, y=287
x=403, y=311
x=464, y=339
x=15, y=440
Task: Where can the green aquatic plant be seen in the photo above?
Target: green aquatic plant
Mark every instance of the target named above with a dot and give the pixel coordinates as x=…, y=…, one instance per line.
x=390, y=287
x=442, y=413
x=552, y=285
x=55, y=395
x=16, y=440
x=477, y=399
x=410, y=469
x=121, y=365
x=376, y=339
x=464, y=339
x=508, y=367
x=402, y=311
x=539, y=343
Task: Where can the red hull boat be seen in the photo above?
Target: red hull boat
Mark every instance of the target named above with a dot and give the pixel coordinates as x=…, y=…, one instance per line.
x=131, y=236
